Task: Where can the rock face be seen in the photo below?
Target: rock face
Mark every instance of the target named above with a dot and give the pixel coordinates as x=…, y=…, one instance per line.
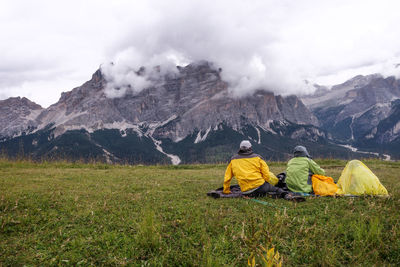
x=17, y=116
x=186, y=116
x=352, y=110
x=388, y=129
x=363, y=112
x=85, y=107
x=340, y=94
x=193, y=99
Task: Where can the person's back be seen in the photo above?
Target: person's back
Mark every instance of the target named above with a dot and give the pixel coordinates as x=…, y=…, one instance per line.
x=249, y=168
x=252, y=174
x=299, y=170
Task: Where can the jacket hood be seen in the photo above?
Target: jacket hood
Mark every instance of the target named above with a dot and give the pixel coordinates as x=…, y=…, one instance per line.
x=245, y=151
x=300, y=151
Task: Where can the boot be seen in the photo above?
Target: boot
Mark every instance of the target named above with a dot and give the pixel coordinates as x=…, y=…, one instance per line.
x=293, y=197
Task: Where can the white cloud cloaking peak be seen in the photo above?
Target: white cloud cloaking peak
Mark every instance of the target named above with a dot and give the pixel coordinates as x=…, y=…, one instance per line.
x=259, y=44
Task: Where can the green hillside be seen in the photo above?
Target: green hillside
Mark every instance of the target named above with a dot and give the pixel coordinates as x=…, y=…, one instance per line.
x=76, y=214
x=111, y=145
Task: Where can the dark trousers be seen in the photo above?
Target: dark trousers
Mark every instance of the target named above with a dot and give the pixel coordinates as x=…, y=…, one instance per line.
x=267, y=188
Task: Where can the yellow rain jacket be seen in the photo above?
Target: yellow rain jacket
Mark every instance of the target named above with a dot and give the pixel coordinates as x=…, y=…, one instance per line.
x=250, y=170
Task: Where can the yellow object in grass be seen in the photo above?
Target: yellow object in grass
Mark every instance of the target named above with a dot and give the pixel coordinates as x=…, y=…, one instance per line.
x=358, y=179
x=273, y=179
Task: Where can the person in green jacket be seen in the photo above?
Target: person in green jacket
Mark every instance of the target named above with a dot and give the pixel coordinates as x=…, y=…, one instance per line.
x=300, y=169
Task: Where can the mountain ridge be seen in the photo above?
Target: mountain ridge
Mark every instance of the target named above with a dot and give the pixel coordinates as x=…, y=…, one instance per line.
x=179, y=112
x=366, y=105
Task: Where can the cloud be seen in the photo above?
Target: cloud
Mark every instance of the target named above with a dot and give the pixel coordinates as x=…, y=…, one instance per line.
x=275, y=45
x=272, y=44
x=387, y=68
x=133, y=71
x=52, y=46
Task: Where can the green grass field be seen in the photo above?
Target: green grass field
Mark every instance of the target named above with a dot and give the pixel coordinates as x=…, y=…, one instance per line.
x=95, y=214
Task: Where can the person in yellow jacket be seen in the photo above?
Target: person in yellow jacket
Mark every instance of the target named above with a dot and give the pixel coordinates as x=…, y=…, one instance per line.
x=252, y=174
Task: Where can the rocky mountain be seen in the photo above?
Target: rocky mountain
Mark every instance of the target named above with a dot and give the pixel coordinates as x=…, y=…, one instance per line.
x=338, y=95
x=195, y=98
x=385, y=136
x=352, y=109
x=362, y=111
x=184, y=116
x=17, y=116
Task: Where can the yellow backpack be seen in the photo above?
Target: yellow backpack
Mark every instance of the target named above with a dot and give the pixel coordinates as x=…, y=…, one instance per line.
x=323, y=185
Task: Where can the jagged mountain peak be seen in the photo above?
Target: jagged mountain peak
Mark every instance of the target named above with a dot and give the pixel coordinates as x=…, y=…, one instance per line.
x=17, y=116
x=353, y=111
x=20, y=102
x=357, y=81
x=188, y=105
x=196, y=97
x=340, y=94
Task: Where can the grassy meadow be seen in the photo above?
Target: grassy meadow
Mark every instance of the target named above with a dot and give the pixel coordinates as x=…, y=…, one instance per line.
x=75, y=214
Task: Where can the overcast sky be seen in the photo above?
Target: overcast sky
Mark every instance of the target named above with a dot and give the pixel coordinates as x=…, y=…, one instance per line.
x=49, y=47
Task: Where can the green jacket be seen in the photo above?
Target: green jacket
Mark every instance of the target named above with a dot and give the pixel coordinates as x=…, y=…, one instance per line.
x=297, y=174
